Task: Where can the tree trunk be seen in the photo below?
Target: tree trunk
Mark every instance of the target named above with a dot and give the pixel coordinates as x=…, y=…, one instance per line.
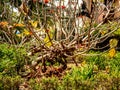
x=117, y=6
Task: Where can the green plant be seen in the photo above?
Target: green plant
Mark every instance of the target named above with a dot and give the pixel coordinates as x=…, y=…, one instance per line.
x=12, y=59
x=10, y=83
x=50, y=83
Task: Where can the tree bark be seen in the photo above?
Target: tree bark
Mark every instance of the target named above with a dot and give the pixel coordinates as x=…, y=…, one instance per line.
x=117, y=5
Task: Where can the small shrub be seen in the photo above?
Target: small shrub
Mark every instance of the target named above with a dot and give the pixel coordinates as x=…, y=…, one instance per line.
x=10, y=83
x=11, y=59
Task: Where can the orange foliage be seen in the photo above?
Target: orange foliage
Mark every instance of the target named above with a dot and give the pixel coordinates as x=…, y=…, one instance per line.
x=3, y=24
x=19, y=25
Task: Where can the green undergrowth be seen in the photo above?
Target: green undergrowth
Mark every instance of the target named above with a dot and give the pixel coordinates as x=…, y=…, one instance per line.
x=12, y=58
x=93, y=73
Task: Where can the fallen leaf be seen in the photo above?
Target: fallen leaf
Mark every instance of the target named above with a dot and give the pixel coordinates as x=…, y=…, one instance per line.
x=112, y=53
